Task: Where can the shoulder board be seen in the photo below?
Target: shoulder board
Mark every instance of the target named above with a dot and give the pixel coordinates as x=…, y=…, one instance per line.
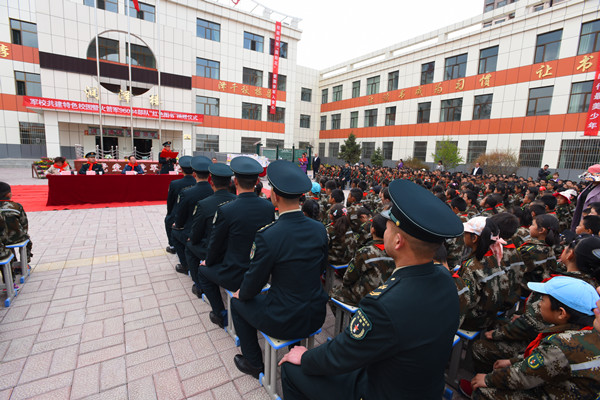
x=266, y=226
x=376, y=293
x=225, y=202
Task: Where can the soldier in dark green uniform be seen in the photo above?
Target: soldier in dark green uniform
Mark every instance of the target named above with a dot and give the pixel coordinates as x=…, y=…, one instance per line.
x=167, y=164
x=91, y=165
x=202, y=224
x=185, y=208
x=175, y=187
x=399, y=341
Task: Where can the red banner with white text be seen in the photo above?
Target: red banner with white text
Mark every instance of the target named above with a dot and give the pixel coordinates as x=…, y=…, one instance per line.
x=79, y=106
x=276, y=48
x=593, y=119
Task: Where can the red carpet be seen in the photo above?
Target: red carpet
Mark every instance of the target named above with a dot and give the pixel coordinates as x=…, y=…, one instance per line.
x=34, y=197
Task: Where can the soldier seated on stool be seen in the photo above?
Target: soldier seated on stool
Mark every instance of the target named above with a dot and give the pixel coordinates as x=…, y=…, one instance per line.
x=292, y=252
x=91, y=165
x=175, y=187
x=399, y=341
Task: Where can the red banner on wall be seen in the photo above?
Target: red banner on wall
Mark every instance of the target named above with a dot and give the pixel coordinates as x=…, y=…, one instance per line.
x=593, y=119
x=276, y=49
x=79, y=106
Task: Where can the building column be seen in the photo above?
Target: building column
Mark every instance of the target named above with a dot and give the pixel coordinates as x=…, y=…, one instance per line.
x=187, y=131
x=52, y=134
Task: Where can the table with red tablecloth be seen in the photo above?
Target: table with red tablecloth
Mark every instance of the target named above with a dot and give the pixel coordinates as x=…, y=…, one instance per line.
x=95, y=189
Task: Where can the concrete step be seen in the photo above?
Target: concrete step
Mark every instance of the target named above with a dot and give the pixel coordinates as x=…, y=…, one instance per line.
x=16, y=162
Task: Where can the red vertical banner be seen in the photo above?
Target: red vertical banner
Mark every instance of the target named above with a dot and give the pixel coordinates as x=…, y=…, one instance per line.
x=593, y=118
x=276, y=47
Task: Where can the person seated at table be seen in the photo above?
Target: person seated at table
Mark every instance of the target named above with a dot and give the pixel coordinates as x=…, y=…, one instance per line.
x=14, y=215
x=132, y=165
x=60, y=165
x=91, y=164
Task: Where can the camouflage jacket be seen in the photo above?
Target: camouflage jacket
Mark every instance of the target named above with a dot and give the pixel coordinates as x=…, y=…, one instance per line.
x=369, y=269
x=16, y=221
x=363, y=236
x=4, y=252
x=457, y=252
x=539, y=260
x=464, y=298
x=472, y=212
x=565, y=216
x=564, y=366
x=354, y=217
x=488, y=287
x=371, y=201
x=521, y=236
x=487, y=212
x=341, y=249
x=513, y=265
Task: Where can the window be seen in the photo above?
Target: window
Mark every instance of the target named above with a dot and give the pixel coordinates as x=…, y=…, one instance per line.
x=336, y=121
x=304, y=121
x=324, y=96
x=251, y=111
x=323, y=122
x=283, y=48
x=306, y=94
x=456, y=67
x=248, y=146
x=146, y=12
x=372, y=85
x=281, y=81
x=483, y=107
x=208, y=30
x=253, y=42
x=539, y=101
x=390, y=116
x=427, y=72
x=207, y=142
x=23, y=33
x=140, y=55
x=489, y=5
x=371, y=117
x=28, y=84
x=355, y=89
x=393, y=78
x=451, y=110
x=367, y=149
x=208, y=68
x=581, y=92
x=252, y=77
x=108, y=5
x=547, y=46
x=337, y=93
x=354, y=119
x=279, y=115
x=488, y=58
x=387, y=149
x=334, y=149
x=322, y=149
x=423, y=112
x=32, y=133
x=531, y=153
x=420, y=150
x=589, y=41
x=578, y=153
x=108, y=49
x=273, y=143
x=476, y=148
x=207, y=105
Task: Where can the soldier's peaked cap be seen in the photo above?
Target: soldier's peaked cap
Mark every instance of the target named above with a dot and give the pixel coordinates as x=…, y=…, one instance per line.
x=90, y=154
x=243, y=165
x=220, y=169
x=200, y=163
x=287, y=178
x=166, y=143
x=185, y=162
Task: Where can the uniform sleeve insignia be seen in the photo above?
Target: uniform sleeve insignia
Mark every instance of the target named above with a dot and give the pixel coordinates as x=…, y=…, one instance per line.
x=195, y=209
x=360, y=325
x=215, y=218
x=351, y=266
x=252, y=250
x=378, y=291
x=535, y=361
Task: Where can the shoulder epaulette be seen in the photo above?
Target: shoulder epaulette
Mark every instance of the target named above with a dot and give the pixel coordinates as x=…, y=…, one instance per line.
x=225, y=202
x=266, y=226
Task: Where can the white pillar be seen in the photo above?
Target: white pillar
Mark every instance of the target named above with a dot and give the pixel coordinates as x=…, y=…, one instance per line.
x=52, y=134
x=187, y=139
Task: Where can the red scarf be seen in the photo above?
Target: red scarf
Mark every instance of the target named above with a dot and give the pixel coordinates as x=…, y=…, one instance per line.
x=61, y=168
x=90, y=166
x=132, y=165
x=380, y=247
x=536, y=342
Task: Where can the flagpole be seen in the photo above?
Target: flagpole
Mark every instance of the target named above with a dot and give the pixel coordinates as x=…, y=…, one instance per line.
x=98, y=77
x=129, y=65
x=158, y=71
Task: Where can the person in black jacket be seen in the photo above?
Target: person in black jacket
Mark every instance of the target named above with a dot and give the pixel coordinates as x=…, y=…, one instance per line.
x=166, y=164
x=399, y=341
x=544, y=172
x=345, y=175
x=91, y=165
x=316, y=164
x=292, y=253
x=175, y=187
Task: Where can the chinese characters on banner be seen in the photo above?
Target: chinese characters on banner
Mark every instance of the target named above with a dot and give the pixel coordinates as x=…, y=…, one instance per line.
x=275, y=67
x=593, y=118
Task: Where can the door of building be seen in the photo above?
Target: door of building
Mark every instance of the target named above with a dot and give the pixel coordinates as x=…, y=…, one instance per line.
x=143, y=148
x=110, y=145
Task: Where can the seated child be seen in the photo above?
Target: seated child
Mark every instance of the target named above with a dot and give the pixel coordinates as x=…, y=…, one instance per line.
x=342, y=242
x=17, y=224
x=590, y=224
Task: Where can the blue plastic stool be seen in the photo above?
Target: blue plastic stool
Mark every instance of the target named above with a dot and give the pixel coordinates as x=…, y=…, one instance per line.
x=230, y=328
x=343, y=314
x=269, y=378
x=8, y=279
x=23, y=258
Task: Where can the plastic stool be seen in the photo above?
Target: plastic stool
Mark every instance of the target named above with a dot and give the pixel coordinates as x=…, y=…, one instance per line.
x=8, y=279
x=343, y=312
x=330, y=272
x=23, y=258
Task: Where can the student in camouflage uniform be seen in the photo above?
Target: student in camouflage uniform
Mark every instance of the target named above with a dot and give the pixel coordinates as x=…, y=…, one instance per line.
x=537, y=252
x=342, y=242
x=325, y=195
x=369, y=268
x=363, y=236
x=488, y=205
x=455, y=247
x=353, y=205
x=471, y=199
x=15, y=218
x=561, y=363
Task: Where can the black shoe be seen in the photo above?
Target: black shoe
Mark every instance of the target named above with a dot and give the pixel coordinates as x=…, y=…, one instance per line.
x=246, y=367
x=196, y=291
x=181, y=269
x=220, y=321
x=170, y=249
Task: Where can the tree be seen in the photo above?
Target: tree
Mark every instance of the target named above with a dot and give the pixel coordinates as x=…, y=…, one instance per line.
x=499, y=162
x=377, y=157
x=416, y=164
x=447, y=152
x=350, y=150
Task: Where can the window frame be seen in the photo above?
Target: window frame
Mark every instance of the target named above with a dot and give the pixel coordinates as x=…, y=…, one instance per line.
x=336, y=121
x=324, y=96
x=251, y=77
x=283, y=48
x=390, y=117
x=211, y=68
x=213, y=108
x=393, y=80
x=387, y=150
x=278, y=117
x=534, y=147
x=31, y=35
x=323, y=126
x=356, y=89
x=587, y=96
x=306, y=119
x=458, y=69
x=596, y=42
x=250, y=110
x=418, y=149
x=281, y=81
x=479, y=106
x=212, y=30
x=535, y=112
x=353, y=119
x=544, y=46
x=487, y=60
x=306, y=91
x=421, y=113
x=371, y=118
x=211, y=142
x=336, y=93
x=145, y=9
x=448, y=108
x=373, y=85
x=427, y=74
x=474, y=150
x=254, y=42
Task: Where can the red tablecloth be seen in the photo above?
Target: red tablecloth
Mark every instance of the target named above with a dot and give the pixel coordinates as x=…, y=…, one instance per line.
x=84, y=189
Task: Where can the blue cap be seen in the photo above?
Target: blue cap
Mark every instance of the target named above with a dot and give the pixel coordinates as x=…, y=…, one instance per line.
x=185, y=162
x=288, y=179
x=243, y=165
x=419, y=213
x=200, y=163
x=220, y=169
x=316, y=188
x=572, y=292
x=90, y=154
